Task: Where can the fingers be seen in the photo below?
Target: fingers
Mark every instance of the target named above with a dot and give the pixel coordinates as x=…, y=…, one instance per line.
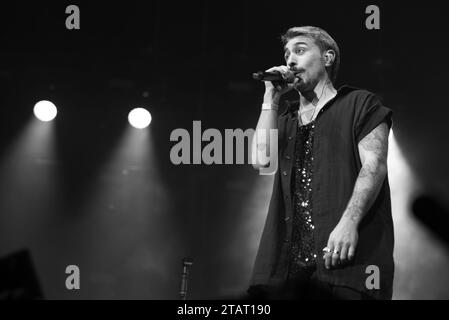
x=328, y=260
x=281, y=69
x=340, y=248
x=351, y=253
x=335, y=257
x=344, y=254
x=294, y=83
x=281, y=86
x=328, y=256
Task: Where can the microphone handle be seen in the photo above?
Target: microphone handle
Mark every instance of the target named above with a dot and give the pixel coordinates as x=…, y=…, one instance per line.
x=289, y=77
x=268, y=76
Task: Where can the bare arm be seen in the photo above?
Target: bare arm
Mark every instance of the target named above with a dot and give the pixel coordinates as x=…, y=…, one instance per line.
x=260, y=146
x=261, y=140
x=343, y=239
x=373, y=150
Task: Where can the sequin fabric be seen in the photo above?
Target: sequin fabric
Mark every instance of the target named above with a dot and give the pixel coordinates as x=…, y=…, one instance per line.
x=302, y=252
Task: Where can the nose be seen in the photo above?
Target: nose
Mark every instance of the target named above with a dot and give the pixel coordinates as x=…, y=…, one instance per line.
x=291, y=62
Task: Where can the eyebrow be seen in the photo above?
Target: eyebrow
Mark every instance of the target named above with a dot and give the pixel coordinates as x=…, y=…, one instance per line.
x=295, y=44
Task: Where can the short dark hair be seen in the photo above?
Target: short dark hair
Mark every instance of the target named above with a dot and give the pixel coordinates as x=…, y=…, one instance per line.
x=322, y=39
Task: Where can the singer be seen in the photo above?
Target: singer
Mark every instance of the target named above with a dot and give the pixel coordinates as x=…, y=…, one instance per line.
x=329, y=221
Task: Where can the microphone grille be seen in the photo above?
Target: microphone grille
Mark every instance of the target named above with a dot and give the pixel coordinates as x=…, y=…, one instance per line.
x=258, y=75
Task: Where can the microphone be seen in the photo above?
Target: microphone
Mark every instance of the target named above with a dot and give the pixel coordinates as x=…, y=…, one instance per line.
x=288, y=77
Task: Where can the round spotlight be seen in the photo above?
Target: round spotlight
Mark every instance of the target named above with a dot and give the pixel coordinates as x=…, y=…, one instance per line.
x=139, y=118
x=45, y=110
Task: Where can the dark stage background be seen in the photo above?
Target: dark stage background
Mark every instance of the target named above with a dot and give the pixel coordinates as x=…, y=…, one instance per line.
x=89, y=190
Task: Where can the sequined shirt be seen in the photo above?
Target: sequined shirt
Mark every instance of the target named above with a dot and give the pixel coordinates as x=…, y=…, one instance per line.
x=302, y=250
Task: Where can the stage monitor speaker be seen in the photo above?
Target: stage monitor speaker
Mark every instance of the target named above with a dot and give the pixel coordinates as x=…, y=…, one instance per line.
x=18, y=280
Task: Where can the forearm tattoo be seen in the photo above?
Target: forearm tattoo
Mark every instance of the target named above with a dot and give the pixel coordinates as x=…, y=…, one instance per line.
x=373, y=151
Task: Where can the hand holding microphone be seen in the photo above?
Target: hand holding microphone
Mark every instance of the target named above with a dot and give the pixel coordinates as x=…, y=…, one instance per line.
x=288, y=76
x=278, y=80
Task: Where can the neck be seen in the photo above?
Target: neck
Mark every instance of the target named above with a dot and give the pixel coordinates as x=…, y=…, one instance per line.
x=322, y=89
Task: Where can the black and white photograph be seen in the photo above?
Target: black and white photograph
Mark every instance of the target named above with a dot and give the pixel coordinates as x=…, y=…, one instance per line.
x=240, y=151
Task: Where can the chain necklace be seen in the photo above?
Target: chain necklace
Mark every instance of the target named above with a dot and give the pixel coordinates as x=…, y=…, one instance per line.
x=314, y=109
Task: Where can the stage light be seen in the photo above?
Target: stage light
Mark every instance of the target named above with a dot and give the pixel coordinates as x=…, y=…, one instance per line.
x=139, y=118
x=45, y=110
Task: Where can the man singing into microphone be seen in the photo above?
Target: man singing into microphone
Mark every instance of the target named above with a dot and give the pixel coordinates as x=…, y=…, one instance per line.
x=329, y=229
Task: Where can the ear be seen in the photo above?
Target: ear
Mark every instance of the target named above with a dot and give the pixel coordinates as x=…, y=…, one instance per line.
x=329, y=58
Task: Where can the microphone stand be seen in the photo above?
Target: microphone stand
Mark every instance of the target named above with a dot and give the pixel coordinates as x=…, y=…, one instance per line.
x=184, y=277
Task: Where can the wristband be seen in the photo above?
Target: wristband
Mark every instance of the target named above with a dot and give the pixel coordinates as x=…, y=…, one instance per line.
x=270, y=106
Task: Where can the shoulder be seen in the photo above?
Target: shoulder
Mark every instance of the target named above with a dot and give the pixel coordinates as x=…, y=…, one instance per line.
x=356, y=94
x=360, y=101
